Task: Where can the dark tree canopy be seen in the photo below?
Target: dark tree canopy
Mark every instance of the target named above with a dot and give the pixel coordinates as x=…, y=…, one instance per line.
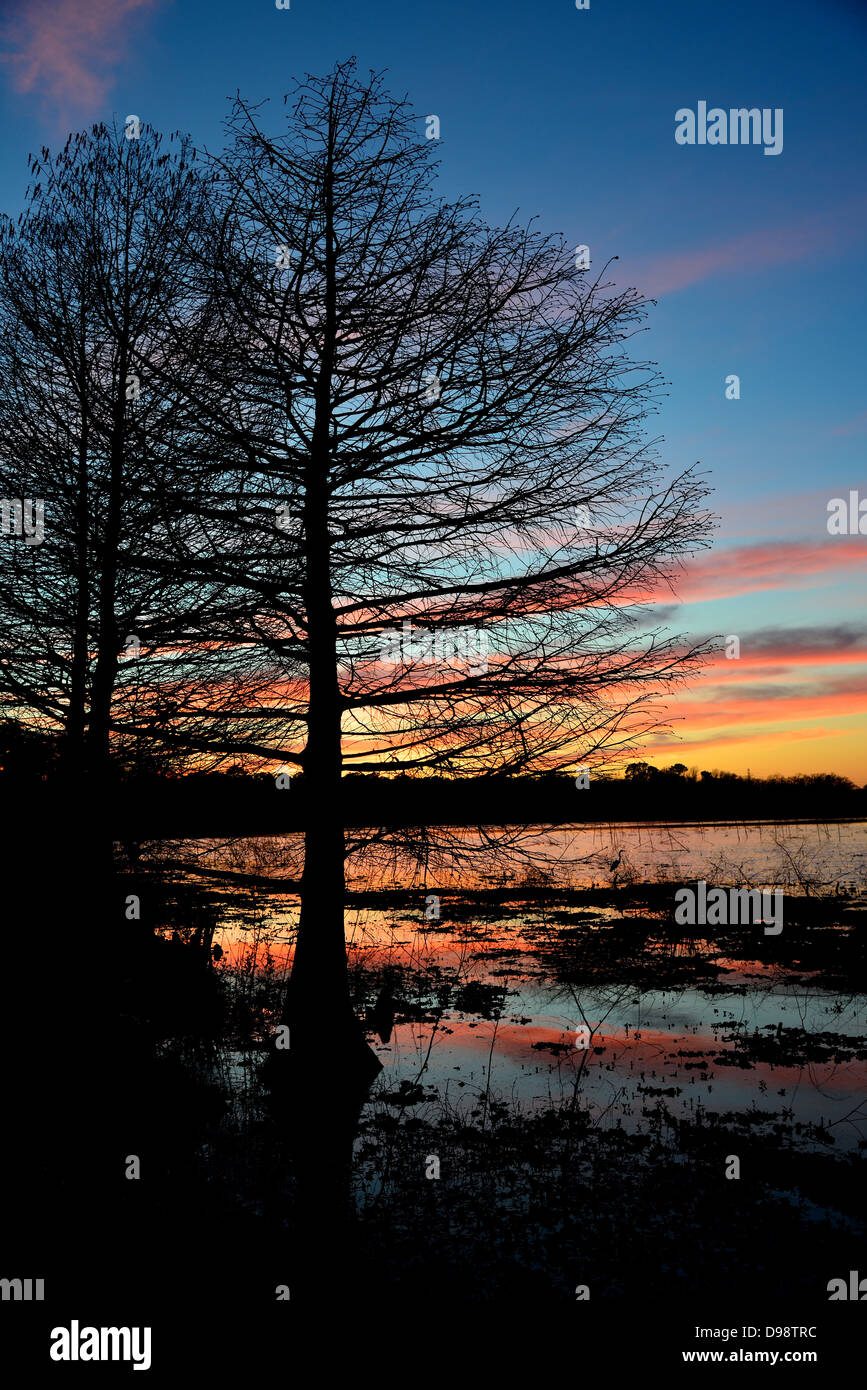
x=458, y=517
x=366, y=479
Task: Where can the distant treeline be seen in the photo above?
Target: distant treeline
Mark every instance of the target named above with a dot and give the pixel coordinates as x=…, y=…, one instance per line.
x=234, y=802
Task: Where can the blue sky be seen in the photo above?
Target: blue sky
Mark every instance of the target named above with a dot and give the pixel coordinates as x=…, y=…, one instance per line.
x=569, y=115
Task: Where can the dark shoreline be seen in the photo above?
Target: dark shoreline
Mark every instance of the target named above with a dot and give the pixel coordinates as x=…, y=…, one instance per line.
x=236, y=804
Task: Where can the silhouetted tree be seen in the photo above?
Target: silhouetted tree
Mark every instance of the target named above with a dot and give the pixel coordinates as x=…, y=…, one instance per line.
x=447, y=434
x=109, y=633
x=640, y=772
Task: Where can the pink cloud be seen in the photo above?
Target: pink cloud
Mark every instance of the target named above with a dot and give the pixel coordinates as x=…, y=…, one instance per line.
x=856, y=426
x=775, y=565
x=774, y=663
x=64, y=51
x=767, y=246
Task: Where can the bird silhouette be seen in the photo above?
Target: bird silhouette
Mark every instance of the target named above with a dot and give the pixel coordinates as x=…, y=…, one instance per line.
x=616, y=864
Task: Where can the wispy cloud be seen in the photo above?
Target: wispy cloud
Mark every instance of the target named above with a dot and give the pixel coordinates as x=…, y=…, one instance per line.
x=65, y=51
x=711, y=750
x=856, y=426
x=789, y=686
x=775, y=565
x=770, y=647
x=768, y=246
x=715, y=707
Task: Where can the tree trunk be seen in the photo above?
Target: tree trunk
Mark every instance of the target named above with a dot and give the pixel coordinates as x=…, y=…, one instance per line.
x=108, y=641
x=319, y=1007
x=105, y=674
x=76, y=715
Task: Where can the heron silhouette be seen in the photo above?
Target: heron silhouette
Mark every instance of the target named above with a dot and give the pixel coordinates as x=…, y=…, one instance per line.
x=616, y=864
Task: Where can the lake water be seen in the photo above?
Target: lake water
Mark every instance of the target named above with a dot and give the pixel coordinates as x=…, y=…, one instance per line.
x=486, y=1012
x=578, y=855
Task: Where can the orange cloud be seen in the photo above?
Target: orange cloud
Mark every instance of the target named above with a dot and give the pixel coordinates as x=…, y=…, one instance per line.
x=775, y=704
x=64, y=50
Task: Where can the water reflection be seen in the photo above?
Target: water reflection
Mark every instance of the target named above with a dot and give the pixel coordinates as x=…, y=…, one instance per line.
x=698, y=1046
x=485, y=1004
